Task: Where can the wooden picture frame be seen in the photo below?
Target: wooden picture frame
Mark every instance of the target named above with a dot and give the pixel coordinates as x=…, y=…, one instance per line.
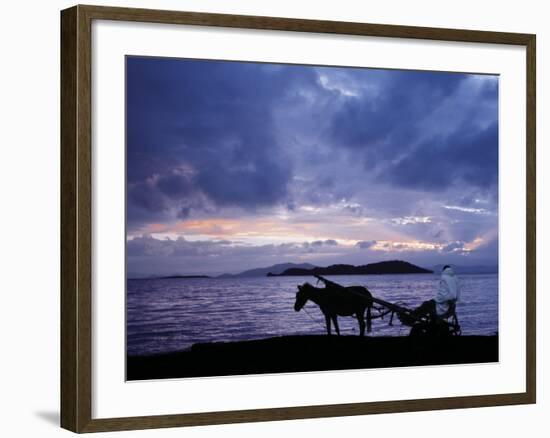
x=76, y=217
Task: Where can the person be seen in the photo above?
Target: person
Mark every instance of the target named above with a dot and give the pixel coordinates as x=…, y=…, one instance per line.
x=448, y=291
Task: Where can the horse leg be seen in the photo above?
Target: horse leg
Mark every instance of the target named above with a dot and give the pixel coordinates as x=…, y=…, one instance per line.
x=327, y=321
x=335, y=321
x=361, y=319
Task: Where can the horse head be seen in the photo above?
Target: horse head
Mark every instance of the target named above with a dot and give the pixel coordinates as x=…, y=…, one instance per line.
x=302, y=296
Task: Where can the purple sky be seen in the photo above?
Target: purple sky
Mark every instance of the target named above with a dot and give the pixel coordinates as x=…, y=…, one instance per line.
x=234, y=165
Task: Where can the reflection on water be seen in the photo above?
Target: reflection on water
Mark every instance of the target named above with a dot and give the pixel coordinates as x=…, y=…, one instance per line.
x=172, y=314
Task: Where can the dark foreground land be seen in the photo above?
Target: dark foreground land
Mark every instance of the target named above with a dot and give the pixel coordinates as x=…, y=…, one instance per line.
x=312, y=353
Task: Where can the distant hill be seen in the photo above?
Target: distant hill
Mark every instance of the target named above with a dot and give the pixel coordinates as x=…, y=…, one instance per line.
x=275, y=269
x=389, y=267
x=164, y=277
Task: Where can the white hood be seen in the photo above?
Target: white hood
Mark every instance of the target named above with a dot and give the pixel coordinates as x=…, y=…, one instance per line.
x=449, y=289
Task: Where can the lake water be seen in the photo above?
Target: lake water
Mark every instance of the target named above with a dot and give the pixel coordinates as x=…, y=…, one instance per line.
x=172, y=314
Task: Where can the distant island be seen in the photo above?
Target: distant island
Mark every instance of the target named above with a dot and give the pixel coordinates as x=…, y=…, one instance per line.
x=389, y=267
x=307, y=269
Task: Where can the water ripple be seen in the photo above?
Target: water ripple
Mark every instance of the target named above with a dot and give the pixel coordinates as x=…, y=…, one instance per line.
x=172, y=314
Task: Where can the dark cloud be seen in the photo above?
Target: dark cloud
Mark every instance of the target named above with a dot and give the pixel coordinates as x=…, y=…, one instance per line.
x=174, y=185
x=148, y=246
x=214, y=119
x=143, y=195
x=265, y=183
x=184, y=213
x=402, y=135
x=468, y=156
x=328, y=242
x=365, y=244
x=379, y=124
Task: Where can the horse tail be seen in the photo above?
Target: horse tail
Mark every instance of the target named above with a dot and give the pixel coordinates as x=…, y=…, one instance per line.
x=369, y=317
x=368, y=296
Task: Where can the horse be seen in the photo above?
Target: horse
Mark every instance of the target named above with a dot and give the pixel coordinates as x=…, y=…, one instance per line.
x=338, y=301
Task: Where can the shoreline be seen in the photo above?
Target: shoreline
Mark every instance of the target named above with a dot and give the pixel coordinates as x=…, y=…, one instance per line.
x=302, y=353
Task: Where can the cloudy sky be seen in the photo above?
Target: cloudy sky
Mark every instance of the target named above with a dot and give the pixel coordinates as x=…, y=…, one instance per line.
x=233, y=165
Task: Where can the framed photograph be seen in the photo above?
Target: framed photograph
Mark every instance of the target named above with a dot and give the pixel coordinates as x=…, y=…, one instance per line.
x=323, y=218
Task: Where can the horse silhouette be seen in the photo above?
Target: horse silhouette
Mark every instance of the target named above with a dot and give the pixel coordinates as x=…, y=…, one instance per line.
x=336, y=300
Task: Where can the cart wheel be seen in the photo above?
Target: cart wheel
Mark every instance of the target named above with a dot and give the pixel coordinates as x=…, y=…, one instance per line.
x=418, y=330
x=436, y=329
